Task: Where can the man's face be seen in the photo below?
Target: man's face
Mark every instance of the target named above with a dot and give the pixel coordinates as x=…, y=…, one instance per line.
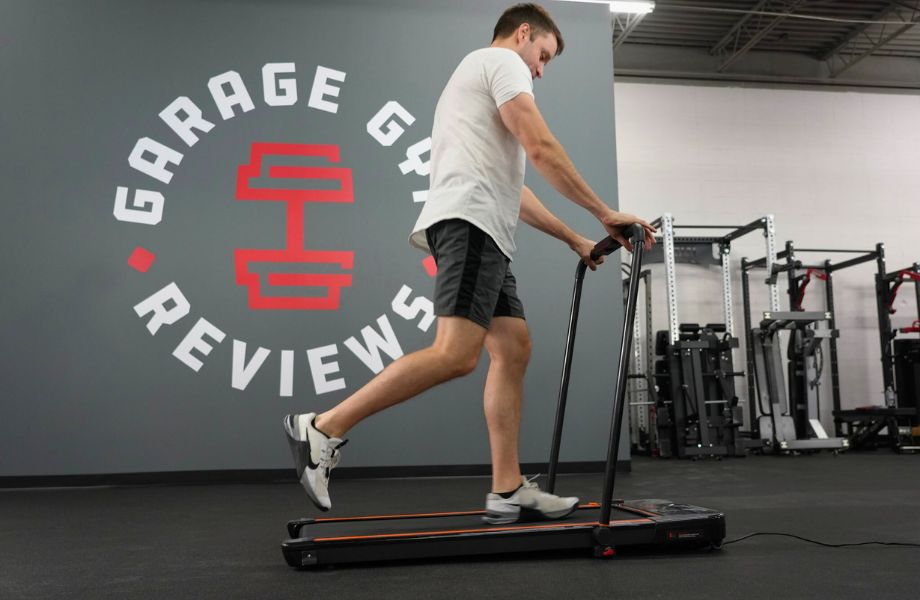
x=536, y=52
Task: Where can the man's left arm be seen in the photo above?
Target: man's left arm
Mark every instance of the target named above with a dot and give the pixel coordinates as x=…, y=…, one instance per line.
x=539, y=217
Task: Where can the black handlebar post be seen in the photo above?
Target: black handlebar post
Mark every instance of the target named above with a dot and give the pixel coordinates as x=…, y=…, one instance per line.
x=619, y=399
x=606, y=246
x=566, y=373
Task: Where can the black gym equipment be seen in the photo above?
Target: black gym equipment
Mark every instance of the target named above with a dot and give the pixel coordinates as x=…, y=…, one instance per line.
x=790, y=407
x=896, y=425
x=698, y=412
x=893, y=425
x=598, y=527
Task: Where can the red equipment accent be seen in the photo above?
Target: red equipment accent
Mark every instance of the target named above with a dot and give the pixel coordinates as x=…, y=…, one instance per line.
x=894, y=291
x=817, y=273
x=914, y=328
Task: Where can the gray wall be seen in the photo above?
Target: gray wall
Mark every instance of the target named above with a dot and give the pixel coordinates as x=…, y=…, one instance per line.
x=87, y=388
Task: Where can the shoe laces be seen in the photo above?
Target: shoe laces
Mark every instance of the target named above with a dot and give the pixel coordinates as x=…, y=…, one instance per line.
x=529, y=483
x=330, y=456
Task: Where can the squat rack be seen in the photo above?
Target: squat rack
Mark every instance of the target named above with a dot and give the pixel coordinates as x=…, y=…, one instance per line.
x=899, y=415
x=705, y=251
x=642, y=400
x=699, y=250
x=887, y=285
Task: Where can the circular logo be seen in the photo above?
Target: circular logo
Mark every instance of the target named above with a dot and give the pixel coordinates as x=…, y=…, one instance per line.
x=292, y=276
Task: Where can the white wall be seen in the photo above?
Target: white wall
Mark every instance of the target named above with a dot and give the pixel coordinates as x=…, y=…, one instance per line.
x=837, y=169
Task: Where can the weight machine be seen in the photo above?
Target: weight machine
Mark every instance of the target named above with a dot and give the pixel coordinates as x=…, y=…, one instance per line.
x=793, y=424
x=698, y=413
x=896, y=424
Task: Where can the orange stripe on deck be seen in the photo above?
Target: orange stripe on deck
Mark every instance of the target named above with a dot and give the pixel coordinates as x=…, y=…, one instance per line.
x=638, y=510
x=408, y=516
x=442, y=514
x=482, y=530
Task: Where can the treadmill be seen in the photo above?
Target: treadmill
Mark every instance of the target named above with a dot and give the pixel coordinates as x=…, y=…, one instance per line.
x=597, y=527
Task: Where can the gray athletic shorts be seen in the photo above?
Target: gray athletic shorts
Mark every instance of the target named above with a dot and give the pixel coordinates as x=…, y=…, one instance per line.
x=474, y=278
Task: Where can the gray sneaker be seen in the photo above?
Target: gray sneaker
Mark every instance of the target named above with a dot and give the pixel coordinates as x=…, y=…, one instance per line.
x=528, y=503
x=315, y=455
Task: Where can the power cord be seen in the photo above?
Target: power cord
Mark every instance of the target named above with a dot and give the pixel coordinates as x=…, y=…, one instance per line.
x=750, y=535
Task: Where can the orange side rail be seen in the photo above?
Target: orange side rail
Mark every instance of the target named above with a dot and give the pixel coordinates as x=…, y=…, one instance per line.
x=480, y=530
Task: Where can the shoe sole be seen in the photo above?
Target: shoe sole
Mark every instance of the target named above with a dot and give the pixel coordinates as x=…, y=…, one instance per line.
x=495, y=519
x=527, y=515
x=299, y=448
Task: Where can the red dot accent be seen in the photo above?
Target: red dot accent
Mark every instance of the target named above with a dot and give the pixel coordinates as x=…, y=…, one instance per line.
x=141, y=259
x=430, y=266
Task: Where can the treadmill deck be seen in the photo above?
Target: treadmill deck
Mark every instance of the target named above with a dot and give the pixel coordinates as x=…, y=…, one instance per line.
x=387, y=537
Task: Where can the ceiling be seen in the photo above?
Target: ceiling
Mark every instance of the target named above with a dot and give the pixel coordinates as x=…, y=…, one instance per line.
x=872, y=43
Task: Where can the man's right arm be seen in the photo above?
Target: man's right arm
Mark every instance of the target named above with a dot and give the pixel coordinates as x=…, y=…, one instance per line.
x=523, y=119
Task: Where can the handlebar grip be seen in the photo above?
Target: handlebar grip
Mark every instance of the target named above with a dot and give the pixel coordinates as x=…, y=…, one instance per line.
x=608, y=245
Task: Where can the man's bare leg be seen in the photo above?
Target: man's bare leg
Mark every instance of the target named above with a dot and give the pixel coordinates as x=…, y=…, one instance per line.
x=455, y=352
x=508, y=343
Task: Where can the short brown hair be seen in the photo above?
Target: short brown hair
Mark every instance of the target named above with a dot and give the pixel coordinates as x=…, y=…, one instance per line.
x=532, y=14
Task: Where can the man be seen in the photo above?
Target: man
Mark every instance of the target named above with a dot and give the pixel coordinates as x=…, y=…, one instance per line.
x=485, y=123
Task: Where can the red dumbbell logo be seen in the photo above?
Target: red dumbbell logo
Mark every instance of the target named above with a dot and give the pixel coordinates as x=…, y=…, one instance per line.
x=294, y=257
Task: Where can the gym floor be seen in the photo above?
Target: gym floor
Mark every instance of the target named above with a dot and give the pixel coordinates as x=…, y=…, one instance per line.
x=223, y=541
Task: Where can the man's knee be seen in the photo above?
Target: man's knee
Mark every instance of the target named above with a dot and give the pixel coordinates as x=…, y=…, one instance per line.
x=518, y=354
x=524, y=349
x=513, y=350
x=459, y=361
x=467, y=364
x=459, y=344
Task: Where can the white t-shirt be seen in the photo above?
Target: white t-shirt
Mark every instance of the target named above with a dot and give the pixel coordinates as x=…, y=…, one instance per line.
x=477, y=165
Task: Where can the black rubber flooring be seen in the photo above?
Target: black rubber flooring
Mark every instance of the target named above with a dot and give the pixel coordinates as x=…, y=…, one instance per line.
x=223, y=541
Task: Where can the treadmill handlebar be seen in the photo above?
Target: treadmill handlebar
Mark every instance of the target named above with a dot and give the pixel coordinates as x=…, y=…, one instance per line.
x=608, y=245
